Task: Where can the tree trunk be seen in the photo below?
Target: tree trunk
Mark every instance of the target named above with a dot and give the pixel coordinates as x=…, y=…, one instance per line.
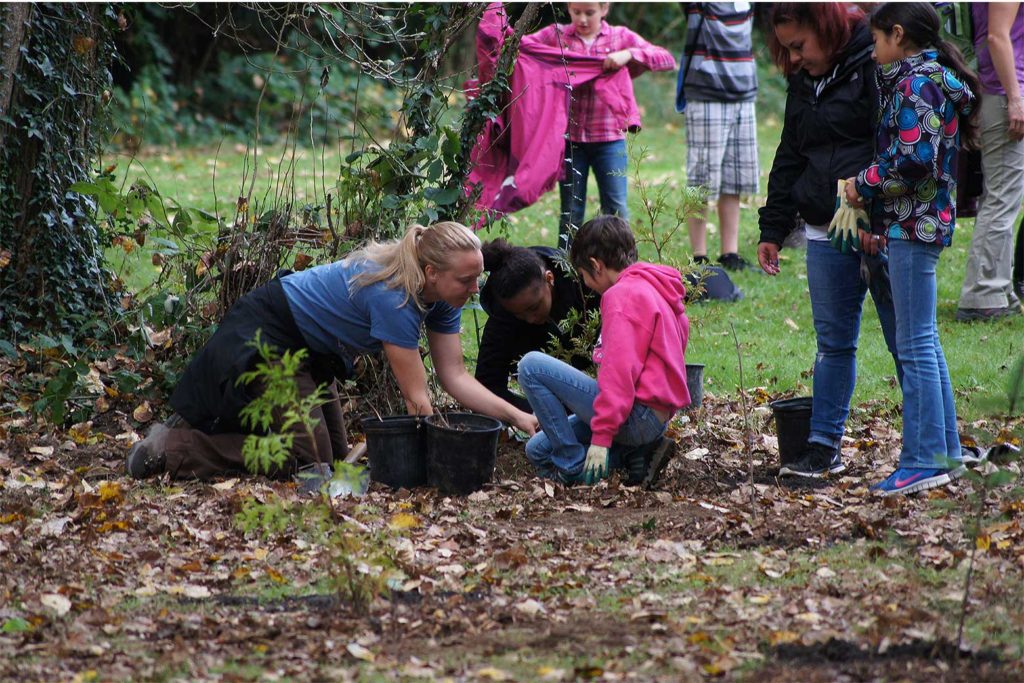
x=14, y=20
x=56, y=61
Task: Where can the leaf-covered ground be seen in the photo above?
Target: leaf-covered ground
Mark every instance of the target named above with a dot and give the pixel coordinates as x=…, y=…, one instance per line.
x=105, y=578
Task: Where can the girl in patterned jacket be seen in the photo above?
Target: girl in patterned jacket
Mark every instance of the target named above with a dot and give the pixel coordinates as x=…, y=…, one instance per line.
x=928, y=100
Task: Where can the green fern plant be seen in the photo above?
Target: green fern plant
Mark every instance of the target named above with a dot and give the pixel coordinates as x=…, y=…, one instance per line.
x=280, y=404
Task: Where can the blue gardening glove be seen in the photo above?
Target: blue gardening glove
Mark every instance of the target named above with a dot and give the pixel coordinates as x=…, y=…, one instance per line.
x=596, y=466
x=874, y=270
x=842, y=231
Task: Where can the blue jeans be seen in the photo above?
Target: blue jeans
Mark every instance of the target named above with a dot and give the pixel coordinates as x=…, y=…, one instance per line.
x=552, y=387
x=837, y=299
x=929, y=414
x=609, y=161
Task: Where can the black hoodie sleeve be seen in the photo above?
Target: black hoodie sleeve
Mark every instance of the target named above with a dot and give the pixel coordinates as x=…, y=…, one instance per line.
x=777, y=217
x=505, y=340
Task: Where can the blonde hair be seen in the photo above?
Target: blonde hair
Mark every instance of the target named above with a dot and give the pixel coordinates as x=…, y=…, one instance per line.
x=402, y=262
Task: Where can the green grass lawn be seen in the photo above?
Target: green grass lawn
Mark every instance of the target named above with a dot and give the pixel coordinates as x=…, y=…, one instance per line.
x=773, y=321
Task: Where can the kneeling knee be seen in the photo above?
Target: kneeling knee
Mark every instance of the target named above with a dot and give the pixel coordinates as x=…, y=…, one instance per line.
x=529, y=363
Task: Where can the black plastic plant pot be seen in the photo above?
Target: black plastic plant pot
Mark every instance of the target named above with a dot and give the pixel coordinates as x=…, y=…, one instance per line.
x=395, y=447
x=461, y=450
x=695, y=383
x=793, y=425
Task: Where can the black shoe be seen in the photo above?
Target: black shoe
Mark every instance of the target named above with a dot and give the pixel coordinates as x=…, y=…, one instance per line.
x=972, y=456
x=146, y=457
x=701, y=260
x=966, y=315
x=638, y=462
x=733, y=262
x=818, y=460
x=663, y=452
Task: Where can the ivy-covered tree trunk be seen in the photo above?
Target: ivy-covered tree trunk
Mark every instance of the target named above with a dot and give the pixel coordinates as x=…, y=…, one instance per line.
x=54, y=77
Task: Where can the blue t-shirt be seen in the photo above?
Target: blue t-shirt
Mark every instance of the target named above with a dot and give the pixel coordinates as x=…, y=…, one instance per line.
x=333, y=320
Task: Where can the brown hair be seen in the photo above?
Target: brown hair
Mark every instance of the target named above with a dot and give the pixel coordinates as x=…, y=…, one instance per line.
x=607, y=239
x=831, y=22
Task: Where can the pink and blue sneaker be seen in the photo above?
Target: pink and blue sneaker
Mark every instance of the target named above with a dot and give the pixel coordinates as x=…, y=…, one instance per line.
x=906, y=480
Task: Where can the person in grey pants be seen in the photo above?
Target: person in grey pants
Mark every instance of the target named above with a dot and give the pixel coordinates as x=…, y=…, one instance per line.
x=987, y=292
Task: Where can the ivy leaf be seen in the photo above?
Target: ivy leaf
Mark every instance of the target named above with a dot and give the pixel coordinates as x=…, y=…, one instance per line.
x=16, y=625
x=86, y=188
x=442, y=196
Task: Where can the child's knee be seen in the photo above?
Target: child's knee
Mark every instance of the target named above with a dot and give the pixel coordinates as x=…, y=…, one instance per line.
x=529, y=364
x=538, y=450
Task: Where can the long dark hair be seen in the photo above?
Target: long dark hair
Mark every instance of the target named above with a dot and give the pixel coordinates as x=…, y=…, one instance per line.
x=832, y=23
x=512, y=269
x=921, y=25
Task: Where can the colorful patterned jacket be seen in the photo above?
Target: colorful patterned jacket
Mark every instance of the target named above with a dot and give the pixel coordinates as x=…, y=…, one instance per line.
x=913, y=177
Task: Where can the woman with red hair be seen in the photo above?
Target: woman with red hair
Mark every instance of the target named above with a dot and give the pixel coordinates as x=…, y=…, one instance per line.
x=828, y=134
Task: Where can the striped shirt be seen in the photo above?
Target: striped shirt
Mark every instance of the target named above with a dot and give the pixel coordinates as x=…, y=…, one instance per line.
x=590, y=119
x=722, y=68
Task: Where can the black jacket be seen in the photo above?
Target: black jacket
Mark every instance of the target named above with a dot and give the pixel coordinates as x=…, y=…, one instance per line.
x=506, y=338
x=825, y=137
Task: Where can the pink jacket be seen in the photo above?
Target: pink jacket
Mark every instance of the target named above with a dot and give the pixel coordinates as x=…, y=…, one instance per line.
x=519, y=155
x=641, y=354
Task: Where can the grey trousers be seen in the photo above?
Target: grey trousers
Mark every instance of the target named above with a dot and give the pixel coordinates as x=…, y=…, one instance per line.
x=987, y=279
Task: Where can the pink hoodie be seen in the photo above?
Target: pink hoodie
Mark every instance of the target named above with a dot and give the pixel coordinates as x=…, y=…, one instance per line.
x=520, y=155
x=644, y=329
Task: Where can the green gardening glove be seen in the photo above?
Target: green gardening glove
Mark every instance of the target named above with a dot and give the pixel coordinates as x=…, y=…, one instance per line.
x=842, y=231
x=596, y=466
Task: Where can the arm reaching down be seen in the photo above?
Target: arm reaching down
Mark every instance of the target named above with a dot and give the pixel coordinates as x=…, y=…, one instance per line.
x=446, y=352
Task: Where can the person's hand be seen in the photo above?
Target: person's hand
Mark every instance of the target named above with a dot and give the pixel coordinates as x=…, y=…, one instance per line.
x=768, y=257
x=1015, y=118
x=526, y=422
x=853, y=198
x=872, y=245
x=596, y=467
x=616, y=60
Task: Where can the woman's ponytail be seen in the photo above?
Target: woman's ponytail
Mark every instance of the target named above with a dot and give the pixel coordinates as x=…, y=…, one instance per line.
x=921, y=26
x=951, y=58
x=402, y=262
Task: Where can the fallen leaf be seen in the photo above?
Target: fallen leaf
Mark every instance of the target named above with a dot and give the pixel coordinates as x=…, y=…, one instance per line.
x=83, y=44
x=780, y=637
x=490, y=673
x=110, y=492
x=42, y=450
x=143, y=413
x=360, y=652
x=530, y=607
x=57, y=602
x=696, y=454
x=403, y=520
x=54, y=527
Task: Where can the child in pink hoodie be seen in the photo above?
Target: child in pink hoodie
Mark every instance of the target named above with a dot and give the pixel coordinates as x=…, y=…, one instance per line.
x=641, y=378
